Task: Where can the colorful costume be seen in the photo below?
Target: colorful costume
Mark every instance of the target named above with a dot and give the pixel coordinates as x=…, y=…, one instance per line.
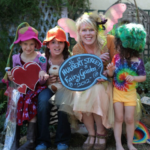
x=125, y=91
x=27, y=104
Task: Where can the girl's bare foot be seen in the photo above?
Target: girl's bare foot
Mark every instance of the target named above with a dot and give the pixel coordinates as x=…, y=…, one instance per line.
x=119, y=147
x=131, y=147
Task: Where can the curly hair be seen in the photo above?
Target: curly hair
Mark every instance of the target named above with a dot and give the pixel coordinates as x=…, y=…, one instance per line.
x=65, y=54
x=125, y=53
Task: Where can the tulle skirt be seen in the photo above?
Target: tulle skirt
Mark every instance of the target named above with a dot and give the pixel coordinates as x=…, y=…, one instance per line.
x=97, y=100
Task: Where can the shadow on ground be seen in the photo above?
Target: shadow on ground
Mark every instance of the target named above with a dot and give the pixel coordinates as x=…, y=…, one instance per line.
x=78, y=139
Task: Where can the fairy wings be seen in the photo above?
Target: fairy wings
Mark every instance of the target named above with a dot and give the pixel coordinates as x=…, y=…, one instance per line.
x=112, y=15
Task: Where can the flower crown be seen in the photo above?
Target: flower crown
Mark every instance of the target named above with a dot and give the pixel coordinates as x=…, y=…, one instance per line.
x=100, y=20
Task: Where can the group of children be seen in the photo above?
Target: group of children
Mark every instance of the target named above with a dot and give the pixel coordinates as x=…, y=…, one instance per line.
x=92, y=106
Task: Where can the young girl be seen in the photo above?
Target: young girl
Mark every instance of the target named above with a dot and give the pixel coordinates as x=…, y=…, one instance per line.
x=128, y=69
x=56, y=52
x=27, y=103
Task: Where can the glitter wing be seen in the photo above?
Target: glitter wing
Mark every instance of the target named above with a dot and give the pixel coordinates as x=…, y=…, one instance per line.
x=69, y=26
x=113, y=14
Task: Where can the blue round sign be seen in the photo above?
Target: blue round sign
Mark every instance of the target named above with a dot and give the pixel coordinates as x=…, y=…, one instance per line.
x=80, y=72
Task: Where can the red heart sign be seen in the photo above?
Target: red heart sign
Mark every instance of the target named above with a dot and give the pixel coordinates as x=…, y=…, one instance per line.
x=22, y=88
x=26, y=76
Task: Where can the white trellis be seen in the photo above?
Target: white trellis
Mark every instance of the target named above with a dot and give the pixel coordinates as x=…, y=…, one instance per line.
x=48, y=19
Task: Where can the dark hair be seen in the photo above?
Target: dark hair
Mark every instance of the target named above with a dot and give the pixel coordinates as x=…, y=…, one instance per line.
x=125, y=53
x=65, y=54
x=20, y=51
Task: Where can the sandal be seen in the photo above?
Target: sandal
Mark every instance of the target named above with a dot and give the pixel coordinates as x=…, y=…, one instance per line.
x=98, y=146
x=88, y=146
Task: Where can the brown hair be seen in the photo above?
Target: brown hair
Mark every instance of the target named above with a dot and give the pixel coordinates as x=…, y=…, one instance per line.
x=125, y=53
x=65, y=54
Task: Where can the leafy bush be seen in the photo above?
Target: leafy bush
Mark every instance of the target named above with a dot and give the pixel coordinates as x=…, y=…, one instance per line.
x=72, y=5
x=15, y=10
x=3, y=104
x=145, y=86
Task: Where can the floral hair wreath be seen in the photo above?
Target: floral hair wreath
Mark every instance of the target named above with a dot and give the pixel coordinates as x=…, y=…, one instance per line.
x=101, y=24
x=100, y=20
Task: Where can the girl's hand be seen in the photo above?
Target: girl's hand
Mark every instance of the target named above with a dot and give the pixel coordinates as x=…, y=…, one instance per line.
x=58, y=79
x=104, y=57
x=110, y=67
x=130, y=78
x=10, y=77
x=43, y=75
x=52, y=79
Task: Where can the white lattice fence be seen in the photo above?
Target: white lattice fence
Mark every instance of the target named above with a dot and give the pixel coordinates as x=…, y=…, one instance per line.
x=48, y=19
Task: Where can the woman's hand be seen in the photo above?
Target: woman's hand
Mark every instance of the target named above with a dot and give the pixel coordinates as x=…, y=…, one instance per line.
x=102, y=80
x=104, y=57
x=43, y=76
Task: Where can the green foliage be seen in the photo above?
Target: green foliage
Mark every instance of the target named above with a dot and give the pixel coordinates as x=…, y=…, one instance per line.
x=16, y=10
x=5, y=41
x=23, y=130
x=3, y=101
x=2, y=120
x=72, y=5
x=2, y=132
x=3, y=104
x=145, y=86
x=113, y=31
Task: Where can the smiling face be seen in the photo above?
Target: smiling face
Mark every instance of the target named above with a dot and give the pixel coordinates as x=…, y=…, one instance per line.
x=28, y=46
x=56, y=47
x=87, y=34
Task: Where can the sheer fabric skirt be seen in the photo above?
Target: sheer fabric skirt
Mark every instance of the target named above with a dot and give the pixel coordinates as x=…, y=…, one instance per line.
x=97, y=100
